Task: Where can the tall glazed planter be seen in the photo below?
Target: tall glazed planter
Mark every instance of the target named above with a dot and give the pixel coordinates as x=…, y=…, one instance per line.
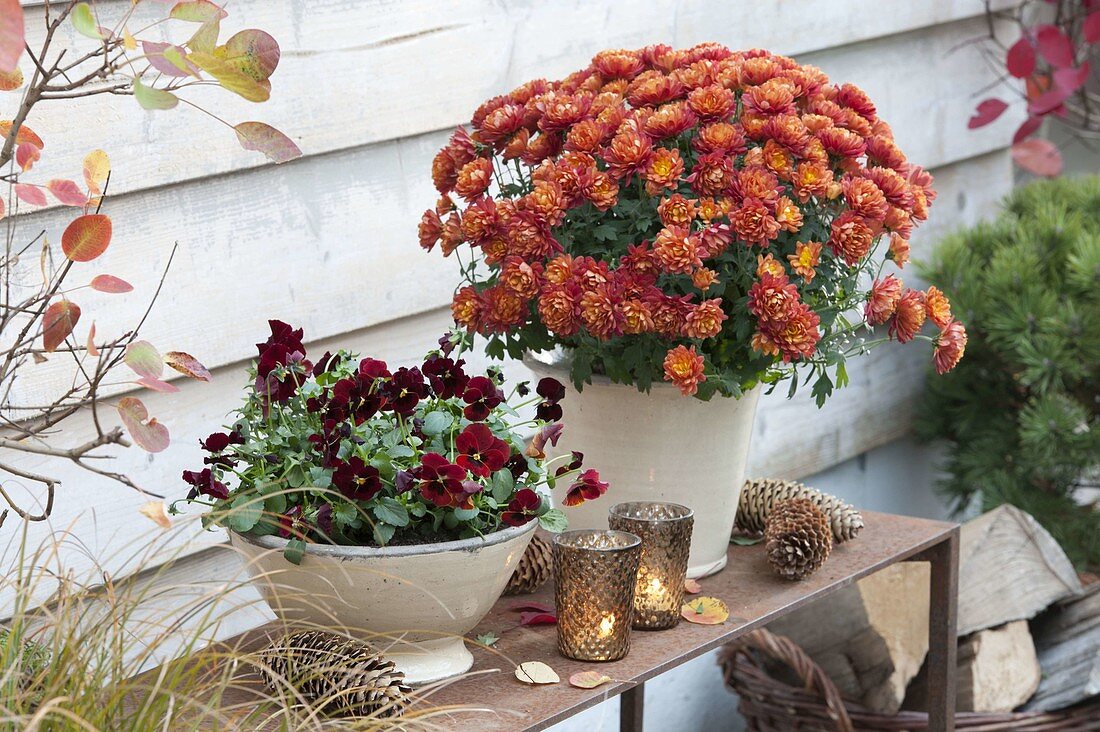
x=660, y=447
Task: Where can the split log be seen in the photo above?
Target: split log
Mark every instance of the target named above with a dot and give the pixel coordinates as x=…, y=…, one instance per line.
x=1067, y=638
x=997, y=671
x=1010, y=568
x=870, y=638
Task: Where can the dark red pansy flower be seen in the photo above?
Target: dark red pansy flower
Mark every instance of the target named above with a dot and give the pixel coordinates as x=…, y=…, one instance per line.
x=292, y=525
x=550, y=389
x=574, y=464
x=482, y=396
x=218, y=441
x=357, y=397
x=404, y=481
x=517, y=465
x=203, y=482
x=355, y=479
x=324, y=519
x=548, y=412
x=523, y=388
x=327, y=442
x=439, y=480
x=323, y=364
x=404, y=390
x=547, y=434
x=522, y=508
x=446, y=376
x=283, y=335
x=372, y=368
x=587, y=487
x=284, y=349
x=480, y=451
x=446, y=345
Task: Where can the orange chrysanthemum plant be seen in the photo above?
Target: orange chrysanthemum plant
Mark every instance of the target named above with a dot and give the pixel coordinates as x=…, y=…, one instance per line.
x=714, y=218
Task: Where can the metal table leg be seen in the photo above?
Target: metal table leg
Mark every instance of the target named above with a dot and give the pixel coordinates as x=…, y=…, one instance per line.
x=632, y=709
x=942, y=629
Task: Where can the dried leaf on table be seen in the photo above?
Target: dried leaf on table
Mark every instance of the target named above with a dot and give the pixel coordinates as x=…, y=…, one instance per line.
x=589, y=679
x=526, y=606
x=538, y=618
x=705, y=611
x=692, y=587
x=536, y=672
x=488, y=639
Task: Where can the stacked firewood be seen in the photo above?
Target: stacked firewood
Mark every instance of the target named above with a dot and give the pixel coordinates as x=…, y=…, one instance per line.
x=1029, y=632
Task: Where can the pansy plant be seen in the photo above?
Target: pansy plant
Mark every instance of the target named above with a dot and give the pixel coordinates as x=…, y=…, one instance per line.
x=348, y=450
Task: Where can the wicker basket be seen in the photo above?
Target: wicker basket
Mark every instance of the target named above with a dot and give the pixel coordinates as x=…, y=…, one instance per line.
x=769, y=705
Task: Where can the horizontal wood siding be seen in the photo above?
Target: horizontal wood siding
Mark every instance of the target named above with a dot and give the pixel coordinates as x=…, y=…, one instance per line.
x=370, y=89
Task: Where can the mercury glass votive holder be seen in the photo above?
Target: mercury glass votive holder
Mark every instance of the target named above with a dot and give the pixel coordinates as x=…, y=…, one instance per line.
x=665, y=531
x=594, y=576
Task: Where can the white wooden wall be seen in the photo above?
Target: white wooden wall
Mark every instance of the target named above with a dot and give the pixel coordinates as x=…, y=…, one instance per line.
x=370, y=89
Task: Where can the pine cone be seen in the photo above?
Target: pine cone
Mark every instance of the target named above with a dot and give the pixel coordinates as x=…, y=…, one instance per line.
x=797, y=538
x=534, y=568
x=344, y=675
x=759, y=495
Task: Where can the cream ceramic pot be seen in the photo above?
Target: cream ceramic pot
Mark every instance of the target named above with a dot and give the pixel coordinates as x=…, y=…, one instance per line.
x=660, y=446
x=413, y=602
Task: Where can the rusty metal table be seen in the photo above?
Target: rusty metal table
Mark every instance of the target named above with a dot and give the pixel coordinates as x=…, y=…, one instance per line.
x=755, y=597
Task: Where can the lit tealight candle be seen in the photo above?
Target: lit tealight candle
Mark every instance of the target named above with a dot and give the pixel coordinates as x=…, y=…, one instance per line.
x=665, y=530
x=594, y=580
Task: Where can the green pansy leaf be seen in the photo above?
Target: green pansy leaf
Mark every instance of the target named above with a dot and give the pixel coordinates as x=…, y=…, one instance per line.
x=466, y=514
x=383, y=533
x=390, y=511
x=502, y=486
x=244, y=512
x=435, y=423
x=554, y=521
x=294, y=550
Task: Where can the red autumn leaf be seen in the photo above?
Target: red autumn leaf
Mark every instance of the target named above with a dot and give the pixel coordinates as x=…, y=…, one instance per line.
x=537, y=618
x=1048, y=102
x=1, y=208
x=25, y=134
x=691, y=587
x=144, y=359
x=1091, y=27
x=197, y=11
x=67, y=192
x=58, y=322
x=1037, y=85
x=1028, y=128
x=26, y=155
x=187, y=365
x=986, y=112
x=27, y=193
x=93, y=351
x=589, y=679
x=11, y=34
x=1054, y=46
x=164, y=62
x=252, y=52
x=86, y=237
x=1038, y=156
x=149, y=434
x=110, y=284
x=266, y=139
x=157, y=385
x=537, y=606
x=11, y=80
x=1070, y=80
x=1020, y=59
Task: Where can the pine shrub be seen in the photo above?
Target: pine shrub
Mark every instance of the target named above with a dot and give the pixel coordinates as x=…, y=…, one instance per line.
x=1021, y=412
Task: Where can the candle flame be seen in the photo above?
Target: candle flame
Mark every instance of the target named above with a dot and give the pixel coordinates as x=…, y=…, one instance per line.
x=607, y=625
x=655, y=588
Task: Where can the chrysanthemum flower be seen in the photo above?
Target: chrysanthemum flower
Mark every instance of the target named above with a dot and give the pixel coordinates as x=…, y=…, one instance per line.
x=841, y=143
x=950, y=347
x=618, y=64
x=789, y=132
x=664, y=170
x=676, y=250
x=628, y=153
x=676, y=210
x=684, y=368
x=467, y=308
x=712, y=102
x=882, y=300
x=788, y=215
x=769, y=265
x=864, y=197
x=653, y=88
x=479, y=221
x=521, y=277
x=712, y=175
x=850, y=237
x=772, y=299
x=753, y=223
x=558, y=309
x=669, y=314
x=669, y=121
x=806, y=257
x=600, y=312
x=599, y=188
x=757, y=182
x=938, y=307
x=704, y=278
x=899, y=249
x=451, y=236
x=908, y=316
x=429, y=229
x=777, y=159
x=586, y=136
x=474, y=178
x=501, y=123
x=762, y=343
x=705, y=319
x=798, y=335
x=811, y=179
x=774, y=96
x=636, y=317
